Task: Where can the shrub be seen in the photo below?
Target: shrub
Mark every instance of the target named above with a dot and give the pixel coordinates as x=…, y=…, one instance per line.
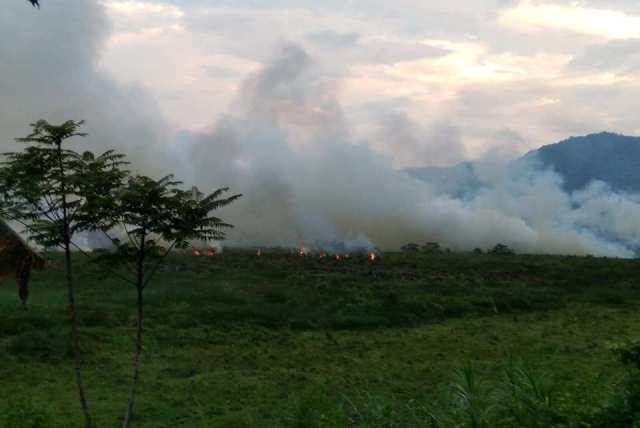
x=314, y=409
x=411, y=247
x=501, y=249
x=23, y=414
x=624, y=410
x=432, y=248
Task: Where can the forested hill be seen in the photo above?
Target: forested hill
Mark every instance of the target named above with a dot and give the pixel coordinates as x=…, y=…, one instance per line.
x=608, y=157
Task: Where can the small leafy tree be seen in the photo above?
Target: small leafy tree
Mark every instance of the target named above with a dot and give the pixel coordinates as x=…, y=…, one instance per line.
x=502, y=250
x=45, y=188
x=145, y=211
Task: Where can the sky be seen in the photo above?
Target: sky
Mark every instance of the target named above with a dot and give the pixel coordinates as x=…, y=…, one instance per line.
x=458, y=79
x=312, y=109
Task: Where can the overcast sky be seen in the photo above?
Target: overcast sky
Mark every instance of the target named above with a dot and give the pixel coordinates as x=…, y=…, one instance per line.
x=427, y=82
x=423, y=82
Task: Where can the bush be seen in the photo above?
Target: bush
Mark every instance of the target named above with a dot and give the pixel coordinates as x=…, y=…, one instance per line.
x=43, y=345
x=23, y=414
x=533, y=402
x=411, y=248
x=501, y=249
x=432, y=248
x=314, y=409
x=624, y=410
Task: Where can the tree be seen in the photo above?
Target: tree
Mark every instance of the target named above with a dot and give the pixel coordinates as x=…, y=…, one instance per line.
x=145, y=211
x=45, y=187
x=502, y=250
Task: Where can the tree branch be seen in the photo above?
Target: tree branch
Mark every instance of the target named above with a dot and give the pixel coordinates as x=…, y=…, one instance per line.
x=113, y=272
x=157, y=265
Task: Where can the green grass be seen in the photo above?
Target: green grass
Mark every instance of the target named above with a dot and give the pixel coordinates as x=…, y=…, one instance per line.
x=279, y=341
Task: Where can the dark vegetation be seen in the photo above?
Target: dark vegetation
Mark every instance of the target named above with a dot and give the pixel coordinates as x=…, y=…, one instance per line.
x=416, y=339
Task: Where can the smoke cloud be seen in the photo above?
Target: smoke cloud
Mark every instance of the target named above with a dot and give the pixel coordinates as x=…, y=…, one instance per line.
x=48, y=64
x=287, y=145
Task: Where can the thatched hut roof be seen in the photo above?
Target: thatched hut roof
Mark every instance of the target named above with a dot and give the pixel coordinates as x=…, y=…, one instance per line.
x=17, y=258
x=14, y=250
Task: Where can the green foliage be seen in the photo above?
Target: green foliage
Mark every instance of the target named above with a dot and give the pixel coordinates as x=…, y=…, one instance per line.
x=628, y=354
x=149, y=211
x=532, y=403
x=160, y=208
x=466, y=397
x=48, y=188
x=22, y=413
x=235, y=340
x=314, y=409
x=432, y=248
x=411, y=247
x=501, y=250
x=623, y=411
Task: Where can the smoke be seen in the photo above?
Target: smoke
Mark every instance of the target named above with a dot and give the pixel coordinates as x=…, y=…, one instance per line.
x=287, y=145
x=48, y=64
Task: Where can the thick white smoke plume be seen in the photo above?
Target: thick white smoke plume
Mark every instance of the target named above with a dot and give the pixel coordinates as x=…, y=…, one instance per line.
x=48, y=70
x=286, y=144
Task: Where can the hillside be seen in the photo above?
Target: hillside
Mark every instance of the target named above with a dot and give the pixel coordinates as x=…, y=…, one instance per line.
x=607, y=157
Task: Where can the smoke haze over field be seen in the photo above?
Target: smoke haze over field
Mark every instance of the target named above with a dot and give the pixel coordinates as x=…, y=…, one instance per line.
x=287, y=143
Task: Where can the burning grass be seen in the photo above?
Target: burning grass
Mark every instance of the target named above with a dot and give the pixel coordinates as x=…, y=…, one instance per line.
x=269, y=338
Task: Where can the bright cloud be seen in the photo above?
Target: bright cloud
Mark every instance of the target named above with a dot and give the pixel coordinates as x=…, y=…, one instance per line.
x=426, y=60
x=132, y=7
x=607, y=23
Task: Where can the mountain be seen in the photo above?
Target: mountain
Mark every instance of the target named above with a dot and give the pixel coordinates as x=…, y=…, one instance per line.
x=608, y=157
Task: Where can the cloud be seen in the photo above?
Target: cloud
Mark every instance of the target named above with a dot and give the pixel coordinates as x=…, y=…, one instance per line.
x=605, y=23
x=430, y=53
x=617, y=56
x=333, y=39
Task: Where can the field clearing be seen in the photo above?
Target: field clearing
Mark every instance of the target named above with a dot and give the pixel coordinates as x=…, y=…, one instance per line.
x=243, y=341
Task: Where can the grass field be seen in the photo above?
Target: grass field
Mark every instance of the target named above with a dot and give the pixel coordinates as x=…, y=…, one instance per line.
x=414, y=340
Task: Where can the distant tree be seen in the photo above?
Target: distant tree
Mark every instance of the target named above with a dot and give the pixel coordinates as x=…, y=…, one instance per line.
x=146, y=211
x=411, y=247
x=45, y=187
x=501, y=249
x=432, y=248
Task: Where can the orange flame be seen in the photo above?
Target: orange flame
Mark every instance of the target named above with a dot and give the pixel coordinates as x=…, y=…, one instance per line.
x=372, y=257
x=259, y=253
x=196, y=253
